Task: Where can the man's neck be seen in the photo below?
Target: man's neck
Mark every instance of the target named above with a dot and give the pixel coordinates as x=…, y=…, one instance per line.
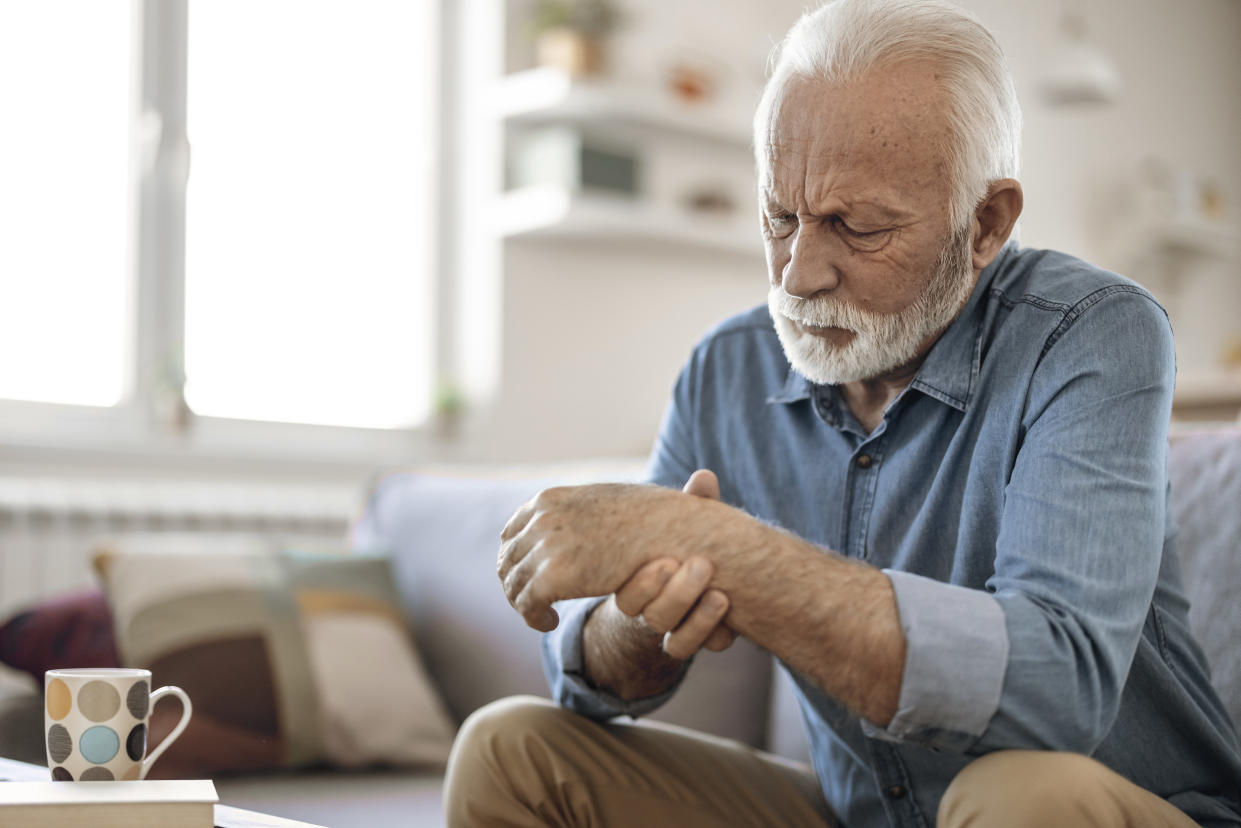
x=869, y=398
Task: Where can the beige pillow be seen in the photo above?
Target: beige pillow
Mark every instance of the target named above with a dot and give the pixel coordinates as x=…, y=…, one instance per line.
x=289, y=658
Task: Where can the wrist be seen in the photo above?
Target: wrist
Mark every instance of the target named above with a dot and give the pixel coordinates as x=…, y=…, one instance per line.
x=623, y=656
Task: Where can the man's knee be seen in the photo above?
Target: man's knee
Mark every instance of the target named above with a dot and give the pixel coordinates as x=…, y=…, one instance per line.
x=493, y=755
x=1020, y=788
x=506, y=716
x=494, y=731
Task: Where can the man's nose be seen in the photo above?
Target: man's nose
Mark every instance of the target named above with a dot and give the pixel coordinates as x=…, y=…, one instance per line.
x=812, y=265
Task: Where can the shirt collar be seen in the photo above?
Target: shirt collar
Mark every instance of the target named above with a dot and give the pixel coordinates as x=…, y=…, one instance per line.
x=950, y=369
x=795, y=389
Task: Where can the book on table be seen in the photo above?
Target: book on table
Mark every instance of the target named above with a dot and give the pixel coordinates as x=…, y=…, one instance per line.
x=185, y=803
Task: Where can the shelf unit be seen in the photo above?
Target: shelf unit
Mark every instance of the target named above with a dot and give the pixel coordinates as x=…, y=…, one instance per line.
x=545, y=96
x=1197, y=236
x=1208, y=396
x=557, y=213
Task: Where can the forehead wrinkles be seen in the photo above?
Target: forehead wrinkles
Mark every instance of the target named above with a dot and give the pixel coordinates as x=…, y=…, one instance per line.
x=883, y=133
x=804, y=173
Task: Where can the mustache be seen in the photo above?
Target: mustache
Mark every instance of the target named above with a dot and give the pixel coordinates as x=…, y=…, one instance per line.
x=820, y=312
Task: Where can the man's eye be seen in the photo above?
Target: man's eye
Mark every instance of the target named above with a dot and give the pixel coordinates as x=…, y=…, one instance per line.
x=782, y=220
x=863, y=238
x=855, y=232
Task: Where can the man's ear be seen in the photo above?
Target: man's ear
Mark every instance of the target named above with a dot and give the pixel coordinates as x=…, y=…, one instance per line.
x=994, y=220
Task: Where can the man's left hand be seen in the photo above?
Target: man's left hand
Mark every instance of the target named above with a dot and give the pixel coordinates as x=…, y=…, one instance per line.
x=578, y=541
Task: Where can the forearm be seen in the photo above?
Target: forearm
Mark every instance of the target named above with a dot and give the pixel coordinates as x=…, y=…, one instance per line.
x=625, y=657
x=832, y=619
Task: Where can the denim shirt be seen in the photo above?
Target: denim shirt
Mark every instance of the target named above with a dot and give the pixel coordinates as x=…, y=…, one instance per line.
x=1016, y=495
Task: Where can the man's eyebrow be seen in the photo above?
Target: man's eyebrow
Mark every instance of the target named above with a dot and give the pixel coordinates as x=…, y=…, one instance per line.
x=879, y=208
x=883, y=208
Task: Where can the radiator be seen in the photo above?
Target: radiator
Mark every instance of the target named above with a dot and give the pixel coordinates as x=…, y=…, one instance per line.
x=50, y=527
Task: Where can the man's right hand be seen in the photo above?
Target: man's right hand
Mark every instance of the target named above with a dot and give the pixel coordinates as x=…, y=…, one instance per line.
x=635, y=643
x=673, y=597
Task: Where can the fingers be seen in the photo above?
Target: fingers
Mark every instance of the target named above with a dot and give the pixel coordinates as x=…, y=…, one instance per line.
x=514, y=543
x=644, y=585
x=698, y=627
x=512, y=549
x=721, y=638
x=679, y=595
x=516, y=576
x=532, y=593
x=703, y=483
x=526, y=585
x=519, y=519
x=673, y=598
x=531, y=584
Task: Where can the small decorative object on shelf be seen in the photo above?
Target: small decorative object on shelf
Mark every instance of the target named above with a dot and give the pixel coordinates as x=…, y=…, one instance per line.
x=1230, y=356
x=449, y=410
x=712, y=200
x=169, y=409
x=570, y=157
x=691, y=83
x=571, y=34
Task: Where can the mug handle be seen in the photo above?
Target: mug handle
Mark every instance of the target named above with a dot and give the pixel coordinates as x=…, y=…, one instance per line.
x=186, y=710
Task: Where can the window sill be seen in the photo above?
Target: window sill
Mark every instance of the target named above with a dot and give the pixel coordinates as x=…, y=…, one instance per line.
x=41, y=437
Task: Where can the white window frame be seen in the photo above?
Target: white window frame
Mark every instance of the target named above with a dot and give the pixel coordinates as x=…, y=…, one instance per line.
x=132, y=433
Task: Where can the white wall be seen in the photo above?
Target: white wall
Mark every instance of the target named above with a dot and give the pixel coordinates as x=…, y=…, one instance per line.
x=1180, y=106
x=593, y=336
x=594, y=339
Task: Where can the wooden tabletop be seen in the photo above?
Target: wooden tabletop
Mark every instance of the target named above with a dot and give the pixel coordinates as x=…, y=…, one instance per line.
x=225, y=816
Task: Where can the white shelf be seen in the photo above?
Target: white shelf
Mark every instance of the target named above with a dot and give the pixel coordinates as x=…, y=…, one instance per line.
x=556, y=213
x=1181, y=237
x=548, y=95
x=1222, y=387
x=1198, y=236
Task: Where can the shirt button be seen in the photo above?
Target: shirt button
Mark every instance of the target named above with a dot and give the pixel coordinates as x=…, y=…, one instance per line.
x=896, y=792
x=863, y=461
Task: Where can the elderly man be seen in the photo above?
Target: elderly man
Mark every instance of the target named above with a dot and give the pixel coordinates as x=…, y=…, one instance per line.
x=936, y=492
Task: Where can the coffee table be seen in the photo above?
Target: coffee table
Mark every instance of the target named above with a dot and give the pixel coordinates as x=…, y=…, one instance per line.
x=225, y=816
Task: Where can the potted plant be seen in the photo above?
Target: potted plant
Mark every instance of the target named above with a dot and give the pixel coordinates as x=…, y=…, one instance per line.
x=570, y=34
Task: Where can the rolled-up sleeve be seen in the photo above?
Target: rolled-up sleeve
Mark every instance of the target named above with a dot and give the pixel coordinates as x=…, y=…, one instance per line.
x=563, y=664
x=956, y=652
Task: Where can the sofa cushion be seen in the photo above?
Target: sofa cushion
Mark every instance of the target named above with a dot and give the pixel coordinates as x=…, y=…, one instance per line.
x=1205, y=471
x=21, y=726
x=443, y=532
x=289, y=658
x=71, y=630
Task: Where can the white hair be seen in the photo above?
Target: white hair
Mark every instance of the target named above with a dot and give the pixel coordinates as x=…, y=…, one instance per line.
x=842, y=40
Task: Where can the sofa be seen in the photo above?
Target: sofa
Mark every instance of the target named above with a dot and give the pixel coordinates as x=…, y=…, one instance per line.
x=438, y=530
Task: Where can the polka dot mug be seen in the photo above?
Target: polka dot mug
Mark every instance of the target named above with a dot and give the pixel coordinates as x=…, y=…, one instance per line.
x=95, y=723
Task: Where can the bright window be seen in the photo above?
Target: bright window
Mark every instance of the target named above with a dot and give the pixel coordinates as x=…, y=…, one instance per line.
x=308, y=211
x=65, y=289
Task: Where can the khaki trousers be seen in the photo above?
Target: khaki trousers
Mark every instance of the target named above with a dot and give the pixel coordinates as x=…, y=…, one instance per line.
x=524, y=762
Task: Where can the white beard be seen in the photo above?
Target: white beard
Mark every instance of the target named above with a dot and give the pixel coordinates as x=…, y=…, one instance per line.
x=881, y=342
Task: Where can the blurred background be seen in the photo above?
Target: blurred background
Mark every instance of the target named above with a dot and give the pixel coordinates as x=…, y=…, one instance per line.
x=255, y=252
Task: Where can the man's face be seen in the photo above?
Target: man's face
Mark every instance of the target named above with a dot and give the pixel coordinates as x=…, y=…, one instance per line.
x=865, y=271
